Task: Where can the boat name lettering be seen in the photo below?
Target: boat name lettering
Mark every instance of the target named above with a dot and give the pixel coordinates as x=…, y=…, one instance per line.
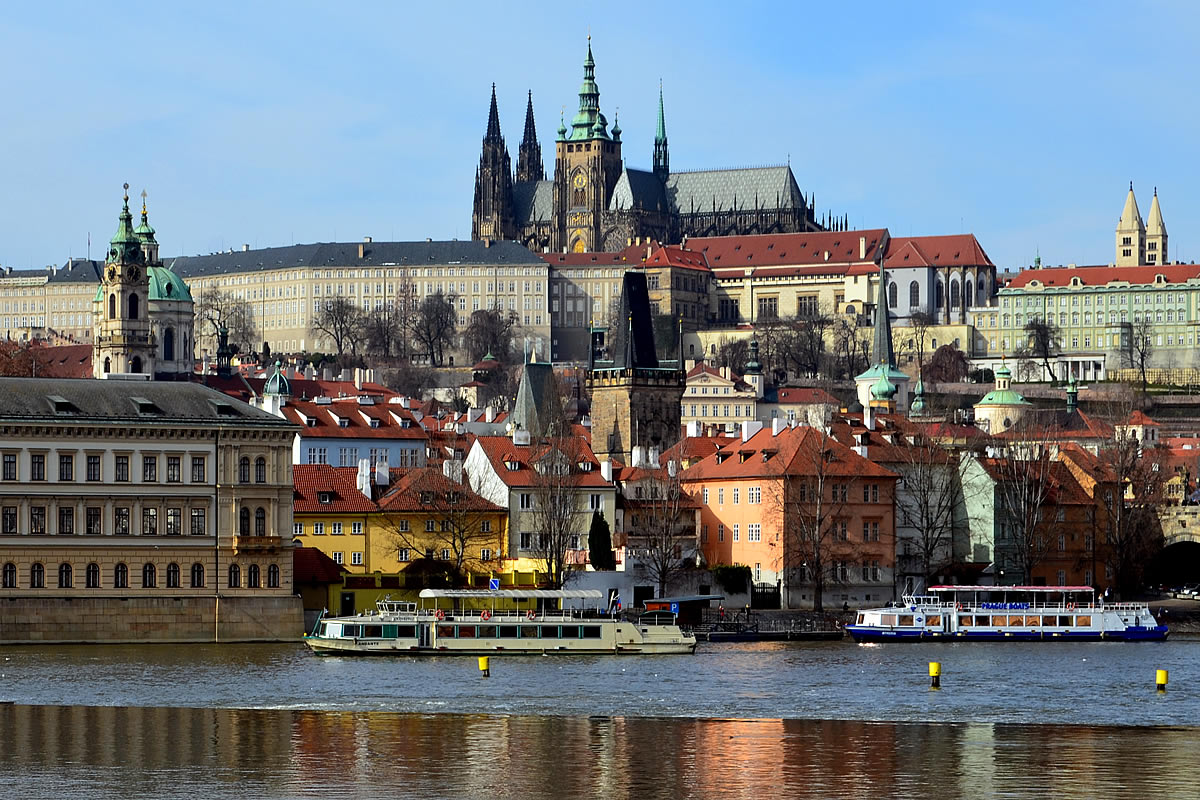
x=1005, y=606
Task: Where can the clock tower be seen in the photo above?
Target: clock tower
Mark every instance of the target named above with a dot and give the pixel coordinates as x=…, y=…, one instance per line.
x=587, y=164
x=124, y=342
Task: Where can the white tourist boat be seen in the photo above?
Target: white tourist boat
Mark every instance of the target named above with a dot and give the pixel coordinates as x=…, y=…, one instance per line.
x=1006, y=613
x=441, y=624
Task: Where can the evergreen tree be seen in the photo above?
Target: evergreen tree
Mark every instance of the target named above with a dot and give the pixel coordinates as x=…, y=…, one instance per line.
x=600, y=543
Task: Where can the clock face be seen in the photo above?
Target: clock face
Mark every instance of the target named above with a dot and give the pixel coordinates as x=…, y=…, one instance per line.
x=134, y=274
x=580, y=180
x=112, y=273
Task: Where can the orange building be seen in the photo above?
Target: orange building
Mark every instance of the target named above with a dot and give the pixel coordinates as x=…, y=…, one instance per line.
x=805, y=513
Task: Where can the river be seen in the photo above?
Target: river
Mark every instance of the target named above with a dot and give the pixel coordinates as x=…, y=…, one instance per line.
x=1014, y=720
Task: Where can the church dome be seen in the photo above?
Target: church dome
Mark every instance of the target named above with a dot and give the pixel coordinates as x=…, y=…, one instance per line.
x=166, y=285
x=883, y=389
x=278, y=384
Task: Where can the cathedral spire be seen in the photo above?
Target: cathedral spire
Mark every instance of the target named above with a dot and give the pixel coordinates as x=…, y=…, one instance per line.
x=661, y=159
x=493, y=128
x=145, y=234
x=492, y=217
x=529, y=156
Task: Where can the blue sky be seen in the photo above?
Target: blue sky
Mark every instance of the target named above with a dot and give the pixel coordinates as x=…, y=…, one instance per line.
x=273, y=123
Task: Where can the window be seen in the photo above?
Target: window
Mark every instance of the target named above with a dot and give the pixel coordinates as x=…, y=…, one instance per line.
x=526, y=501
x=485, y=526
x=430, y=526
x=596, y=503
x=8, y=520
x=9, y=576
x=149, y=522
x=706, y=496
x=65, y=576
x=892, y=294
x=197, y=575
x=37, y=467
x=174, y=474
x=403, y=525
x=318, y=529
x=37, y=577
x=120, y=577
x=735, y=499
x=485, y=554
x=149, y=469
x=149, y=576
x=244, y=469
x=198, y=469
x=37, y=519
x=754, y=495
x=260, y=470
x=198, y=526
x=335, y=528
x=754, y=532
x=173, y=575
x=273, y=576
x=297, y=529
x=526, y=540
x=356, y=528
x=122, y=468
x=66, y=467
x=235, y=577
x=10, y=467
x=356, y=559
x=174, y=521
x=736, y=531
x=93, y=467
x=92, y=576
x=93, y=522
x=402, y=555
x=244, y=522
x=260, y=521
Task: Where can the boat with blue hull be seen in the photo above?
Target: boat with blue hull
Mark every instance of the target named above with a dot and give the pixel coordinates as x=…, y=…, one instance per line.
x=1005, y=614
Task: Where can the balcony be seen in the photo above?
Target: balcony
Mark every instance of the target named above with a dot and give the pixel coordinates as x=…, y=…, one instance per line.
x=257, y=544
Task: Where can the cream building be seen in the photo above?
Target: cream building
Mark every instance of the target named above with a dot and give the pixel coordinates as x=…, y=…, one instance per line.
x=715, y=396
x=135, y=511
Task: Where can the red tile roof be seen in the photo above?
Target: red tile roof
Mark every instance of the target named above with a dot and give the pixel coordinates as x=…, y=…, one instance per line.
x=326, y=416
x=500, y=449
x=311, y=480
x=957, y=250
x=794, y=451
x=52, y=361
x=1139, y=418
x=788, y=249
x=424, y=488
x=1102, y=276
x=694, y=448
x=794, y=394
x=680, y=257
x=311, y=566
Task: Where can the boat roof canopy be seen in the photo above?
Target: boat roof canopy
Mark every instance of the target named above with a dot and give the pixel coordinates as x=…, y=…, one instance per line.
x=514, y=594
x=1042, y=589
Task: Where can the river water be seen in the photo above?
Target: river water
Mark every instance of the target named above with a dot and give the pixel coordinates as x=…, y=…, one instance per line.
x=1013, y=720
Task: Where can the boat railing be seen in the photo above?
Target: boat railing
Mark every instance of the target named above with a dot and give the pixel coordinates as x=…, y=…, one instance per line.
x=512, y=615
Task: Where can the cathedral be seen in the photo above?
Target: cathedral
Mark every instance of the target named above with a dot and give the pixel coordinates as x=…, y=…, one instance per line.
x=596, y=203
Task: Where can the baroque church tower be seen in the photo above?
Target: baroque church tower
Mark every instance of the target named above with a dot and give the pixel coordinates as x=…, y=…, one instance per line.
x=587, y=164
x=124, y=342
x=493, y=215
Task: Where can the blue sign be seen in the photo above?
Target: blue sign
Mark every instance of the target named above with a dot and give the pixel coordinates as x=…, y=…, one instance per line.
x=674, y=608
x=494, y=584
x=1004, y=606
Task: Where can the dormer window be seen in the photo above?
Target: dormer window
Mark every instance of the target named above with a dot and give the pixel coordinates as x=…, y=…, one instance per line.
x=343, y=422
x=512, y=466
x=426, y=498
x=324, y=498
x=374, y=422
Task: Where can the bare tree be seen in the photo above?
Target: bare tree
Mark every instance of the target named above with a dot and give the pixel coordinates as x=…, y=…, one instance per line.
x=919, y=325
x=928, y=497
x=733, y=353
x=663, y=526
x=948, y=365
x=404, y=307
x=382, y=331
x=220, y=309
x=851, y=347
x=491, y=332
x=1023, y=473
x=1139, y=349
x=434, y=325
x=1042, y=342
x=803, y=351
x=342, y=322
x=558, y=509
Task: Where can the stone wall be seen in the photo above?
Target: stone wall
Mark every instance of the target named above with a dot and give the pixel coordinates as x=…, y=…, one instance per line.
x=149, y=619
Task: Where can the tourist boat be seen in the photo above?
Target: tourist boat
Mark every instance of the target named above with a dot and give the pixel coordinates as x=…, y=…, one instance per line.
x=1006, y=613
x=496, y=622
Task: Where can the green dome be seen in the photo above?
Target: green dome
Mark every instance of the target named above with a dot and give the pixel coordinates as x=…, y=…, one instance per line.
x=1003, y=372
x=166, y=285
x=883, y=389
x=1003, y=397
x=917, y=407
x=278, y=384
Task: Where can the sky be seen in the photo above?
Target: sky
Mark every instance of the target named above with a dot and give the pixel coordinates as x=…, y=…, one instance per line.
x=276, y=123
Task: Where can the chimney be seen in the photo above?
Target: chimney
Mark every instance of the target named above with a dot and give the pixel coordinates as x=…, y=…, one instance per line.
x=725, y=373
x=521, y=437
x=652, y=458
x=637, y=456
x=363, y=479
x=245, y=248
x=452, y=468
x=776, y=425
x=367, y=239
x=358, y=378
x=489, y=414
x=693, y=428
x=862, y=248
x=606, y=470
x=672, y=468
x=345, y=376
x=326, y=373
x=310, y=372
x=869, y=417
x=749, y=428
x=381, y=470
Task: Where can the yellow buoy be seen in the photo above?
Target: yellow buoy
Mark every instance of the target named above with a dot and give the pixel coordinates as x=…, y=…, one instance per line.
x=484, y=665
x=935, y=674
x=1160, y=680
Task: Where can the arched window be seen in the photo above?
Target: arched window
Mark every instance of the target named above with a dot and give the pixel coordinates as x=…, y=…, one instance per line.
x=914, y=295
x=37, y=577
x=133, y=305
x=969, y=292
x=235, y=576
x=273, y=576
x=9, y=576
x=892, y=295
x=244, y=470
x=149, y=576
x=982, y=289
x=112, y=306
x=244, y=522
x=173, y=575
x=939, y=296
x=954, y=294
x=169, y=344
x=252, y=576
x=260, y=521
x=92, y=576
x=197, y=575
x=260, y=470
x=135, y=364
x=120, y=577
x=65, y=576
x=107, y=365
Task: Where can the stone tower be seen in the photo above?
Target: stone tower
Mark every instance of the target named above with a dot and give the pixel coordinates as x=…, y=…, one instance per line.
x=635, y=399
x=1156, y=234
x=1131, y=234
x=587, y=164
x=529, y=156
x=123, y=341
x=493, y=213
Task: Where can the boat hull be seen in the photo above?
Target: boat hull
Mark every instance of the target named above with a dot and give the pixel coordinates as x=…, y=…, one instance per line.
x=324, y=646
x=1134, y=634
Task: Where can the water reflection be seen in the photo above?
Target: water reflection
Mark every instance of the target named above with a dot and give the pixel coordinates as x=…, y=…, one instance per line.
x=127, y=752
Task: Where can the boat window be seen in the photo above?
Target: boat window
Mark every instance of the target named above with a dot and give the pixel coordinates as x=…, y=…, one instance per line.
x=406, y=631
x=487, y=631
x=1083, y=620
x=445, y=631
x=965, y=621
x=570, y=631
x=324, y=629
x=907, y=619
x=466, y=631
x=888, y=619
x=550, y=632
x=372, y=631
x=983, y=620
x=934, y=620
x=389, y=631
x=1064, y=622
x=861, y=618
x=1049, y=620
x=591, y=631
x=350, y=631
x=529, y=631
x=506, y=632
x=1033, y=620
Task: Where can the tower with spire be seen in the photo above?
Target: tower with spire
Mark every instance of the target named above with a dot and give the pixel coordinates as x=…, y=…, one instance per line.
x=662, y=162
x=123, y=341
x=493, y=216
x=1131, y=234
x=1156, y=234
x=529, y=156
x=884, y=369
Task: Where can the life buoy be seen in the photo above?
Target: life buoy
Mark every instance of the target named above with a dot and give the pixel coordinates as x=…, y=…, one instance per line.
x=958, y=607
x=485, y=615
x=439, y=614
x=1070, y=606
x=531, y=614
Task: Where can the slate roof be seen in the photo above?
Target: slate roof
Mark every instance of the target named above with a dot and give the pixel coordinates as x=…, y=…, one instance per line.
x=345, y=254
x=770, y=187
x=114, y=401
x=637, y=188
x=533, y=201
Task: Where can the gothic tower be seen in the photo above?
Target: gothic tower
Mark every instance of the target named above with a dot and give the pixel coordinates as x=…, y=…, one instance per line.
x=1156, y=234
x=123, y=339
x=587, y=164
x=493, y=214
x=662, y=162
x=1131, y=234
x=529, y=156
